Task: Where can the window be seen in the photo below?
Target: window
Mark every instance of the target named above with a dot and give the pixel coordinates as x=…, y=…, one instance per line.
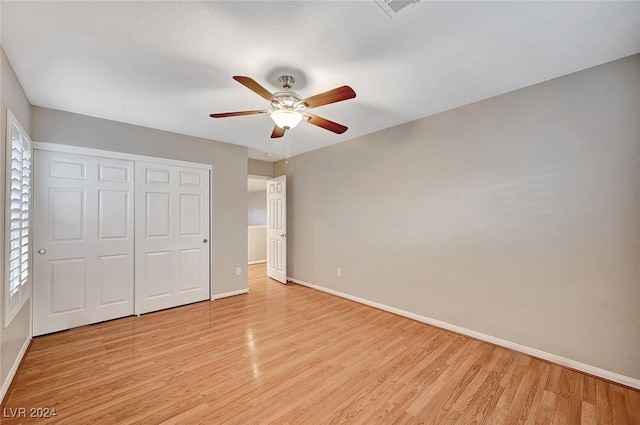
x=18, y=208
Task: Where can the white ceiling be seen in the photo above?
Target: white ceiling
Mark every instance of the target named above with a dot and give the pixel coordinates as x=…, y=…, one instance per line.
x=167, y=65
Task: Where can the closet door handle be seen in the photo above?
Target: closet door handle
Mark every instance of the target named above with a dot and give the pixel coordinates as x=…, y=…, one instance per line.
x=205, y=240
x=42, y=251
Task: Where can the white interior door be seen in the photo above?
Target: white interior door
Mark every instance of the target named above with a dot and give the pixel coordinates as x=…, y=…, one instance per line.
x=277, y=229
x=172, y=236
x=83, y=240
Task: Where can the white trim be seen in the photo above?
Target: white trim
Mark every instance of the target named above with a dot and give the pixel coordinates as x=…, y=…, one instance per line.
x=562, y=361
x=210, y=243
x=257, y=226
x=14, y=369
x=230, y=294
x=256, y=262
x=258, y=177
x=78, y=150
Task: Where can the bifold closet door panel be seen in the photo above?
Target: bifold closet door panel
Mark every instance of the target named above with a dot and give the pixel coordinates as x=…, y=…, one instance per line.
x=83, y=267
x=171, y=236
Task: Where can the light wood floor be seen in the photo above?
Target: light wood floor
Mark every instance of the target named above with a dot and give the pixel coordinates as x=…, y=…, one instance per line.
x=291, y=355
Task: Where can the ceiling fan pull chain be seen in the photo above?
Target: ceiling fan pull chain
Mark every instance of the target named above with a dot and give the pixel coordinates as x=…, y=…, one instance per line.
x=286, y=144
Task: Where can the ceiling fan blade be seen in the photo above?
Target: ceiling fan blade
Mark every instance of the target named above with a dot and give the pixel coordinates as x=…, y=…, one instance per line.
x=252, y=85
x=324, y=123
x=236, y=114
x=277, y=132
x=331, y=96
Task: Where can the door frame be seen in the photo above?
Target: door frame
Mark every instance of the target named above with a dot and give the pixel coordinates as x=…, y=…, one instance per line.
x=79, y=150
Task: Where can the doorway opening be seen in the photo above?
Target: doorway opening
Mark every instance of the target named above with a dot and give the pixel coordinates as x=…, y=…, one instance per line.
x=257, y=219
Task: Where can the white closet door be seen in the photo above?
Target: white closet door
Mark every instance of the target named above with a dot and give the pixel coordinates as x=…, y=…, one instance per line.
x=172, y=236
x=83, y=240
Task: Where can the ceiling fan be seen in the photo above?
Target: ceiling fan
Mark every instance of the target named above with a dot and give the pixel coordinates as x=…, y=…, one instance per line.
x=289, y=108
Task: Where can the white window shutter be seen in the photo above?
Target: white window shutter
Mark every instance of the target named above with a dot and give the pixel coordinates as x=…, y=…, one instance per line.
x=18, y=212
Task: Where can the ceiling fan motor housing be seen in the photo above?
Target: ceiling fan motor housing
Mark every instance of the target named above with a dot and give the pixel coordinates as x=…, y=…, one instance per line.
x=287, y=81
x=287, y=99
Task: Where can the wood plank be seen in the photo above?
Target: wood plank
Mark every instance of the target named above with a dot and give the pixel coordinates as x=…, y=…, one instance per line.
x=589, y=415
x=292, y=355
x=604, y=408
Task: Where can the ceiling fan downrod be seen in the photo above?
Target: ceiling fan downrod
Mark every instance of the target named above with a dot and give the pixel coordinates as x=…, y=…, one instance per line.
x=287, y=81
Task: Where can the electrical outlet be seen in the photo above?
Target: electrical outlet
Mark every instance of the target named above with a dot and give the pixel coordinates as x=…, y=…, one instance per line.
x=338, y=272
x=238, y=271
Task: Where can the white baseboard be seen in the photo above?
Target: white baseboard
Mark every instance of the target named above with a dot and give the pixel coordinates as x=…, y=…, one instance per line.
x=257, y=262
x=562, y=361
x=230, y=294
x=14, y=369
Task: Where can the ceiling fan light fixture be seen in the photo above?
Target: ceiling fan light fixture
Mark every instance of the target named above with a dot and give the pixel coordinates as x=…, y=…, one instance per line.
x=286, y=118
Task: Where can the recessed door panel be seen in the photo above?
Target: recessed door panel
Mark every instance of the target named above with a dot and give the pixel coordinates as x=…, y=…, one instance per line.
x=68, y=285
x=190, y=214
x=114, y=279
x=67, y=169
x=158, y=269
x=67, y=214
x=279, y=214
x=272, y=217
x=190, y=269
x=158, y=214
x=279, y=255
x=113, y=173
x=190, y=179
x=113, y=214
x=273, y=257
x=158, y=177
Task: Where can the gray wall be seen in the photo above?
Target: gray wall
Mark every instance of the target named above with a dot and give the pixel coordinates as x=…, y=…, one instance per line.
x=260, y=168
x=257, y=243
x=257, y=208
x=257, y=216
x=517, y=217
x=13, y=337
x=229, y=200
